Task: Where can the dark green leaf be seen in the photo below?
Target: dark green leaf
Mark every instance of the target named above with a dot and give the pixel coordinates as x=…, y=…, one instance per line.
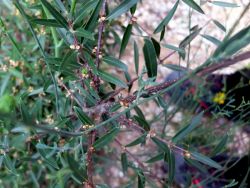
x=59, y=18
x=49, y=160
x=84, y=10
x=82, y=116
x=141, y=179
x=104, y=140
x=187, y=40
x=157, y=46
x=187, y=129
x=84, y=33
x=224, y=4
x=137, y=141
x=122, y=8
x=193, y=5
x=170, y=159
x=156, y=158
x=46, y=22
x=78, y=172
x=143, y=123
x=125, y=38
x=232, y=45
x=214, y=40
x=9, y=164
x=220, y=146
x=171, y=47
x=167, y=19
x=150, y=58
x=124, y=161
x=111, y=79
x=162, y=145
x=136, y=57
x=205, y=160
x=219, y=25
x=115, y=62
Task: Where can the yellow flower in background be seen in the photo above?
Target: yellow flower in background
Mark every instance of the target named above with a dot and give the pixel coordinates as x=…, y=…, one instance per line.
x=219, y=98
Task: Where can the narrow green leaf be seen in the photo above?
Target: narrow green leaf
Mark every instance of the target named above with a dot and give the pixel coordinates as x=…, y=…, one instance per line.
x=188, y=39
x=224, y=4
x=205, y=160
x=124, y=161
x=141, y=179
x=137, y=141
x=84, y=10
x=125, y=38
x=157, y=47
x=82, y=116
x=46, y=22
x=232, y=45
x=187, y=129
x=60, y=19
x=115, y=62
x=156, y=158
x=78, y=172
x=171, y=47
x=219, y=25
x=143, y=123
x=49, y=160
x=109, y=78
x=170, y=159
x=104, y=140
x=194, y=5
x=136, y=57
x=84, y=33
x=162, y=145
x=139, y=112
x=150, y=58
x=220, y=146
x=122, y=8
x=9, y=164
x=167, y=19
x=214, y=40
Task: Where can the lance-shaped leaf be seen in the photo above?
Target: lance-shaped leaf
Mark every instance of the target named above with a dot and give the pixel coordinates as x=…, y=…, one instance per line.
x=141, y=179
x=137, y=141
x=205, y=160
x=187, y=129
x=170, y=159
x=167, y=19
x=84, y=33
x=115, y=62
x=82, y=116
x=220, y=146
x=224, y=4
x=46, y=22
x=219, y=25
x=59, y=18
x=136, y=57
x=111, y=79
x=122, y=8
x=193, y=5
x=104, y=140
x=78, y=172
x=157, y=47
x=125, y=38
x=150, y=58
x=162, y=145
x=143, y=123
x=49, y=160
x=232, y=45
x=124, y=161
x=156, y=158
x=212, y=39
